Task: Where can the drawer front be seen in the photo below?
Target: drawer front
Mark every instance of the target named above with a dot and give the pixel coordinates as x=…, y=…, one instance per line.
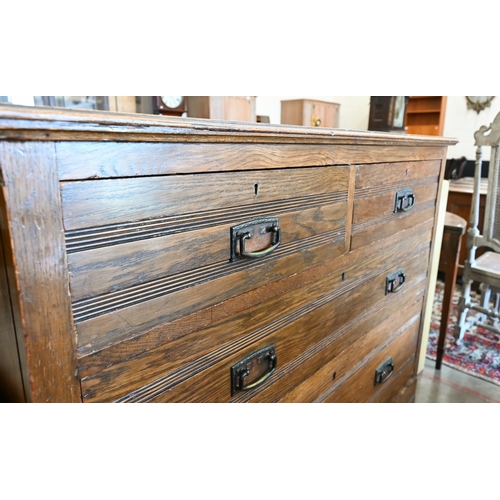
x=146, y=251
x=165, y=305
x=362, y=342
x=402, y=388
x=364, y=384
x=195, y=367
x=392, y=197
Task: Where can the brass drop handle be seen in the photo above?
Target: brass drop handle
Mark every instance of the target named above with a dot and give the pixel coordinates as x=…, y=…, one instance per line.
x=242, y=233
x=315, y=121
x=261, y=253
x=264, y=361
x=272, y=368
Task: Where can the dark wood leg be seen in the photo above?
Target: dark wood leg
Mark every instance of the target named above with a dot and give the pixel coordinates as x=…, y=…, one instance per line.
x=450, y=251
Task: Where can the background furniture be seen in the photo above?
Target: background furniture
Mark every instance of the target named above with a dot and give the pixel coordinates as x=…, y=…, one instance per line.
x=387, y=113
x=459, y=203
x=310, y=113
x=425, y=115
x=237, y=108
x=169, y=105
x=483, y=269
x=223, y=262
x=454, y=228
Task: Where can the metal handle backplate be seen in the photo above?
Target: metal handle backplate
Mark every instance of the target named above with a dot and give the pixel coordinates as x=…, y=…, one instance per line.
x=395, y=281
x=259, y=229
x=384, y=371
x=405, y=200
x=254, y=370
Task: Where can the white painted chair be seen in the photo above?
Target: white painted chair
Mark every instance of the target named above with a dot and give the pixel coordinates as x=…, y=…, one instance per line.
x=486, y=268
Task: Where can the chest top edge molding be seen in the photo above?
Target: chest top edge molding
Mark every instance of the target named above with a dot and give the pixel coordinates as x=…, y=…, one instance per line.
x=38, y=123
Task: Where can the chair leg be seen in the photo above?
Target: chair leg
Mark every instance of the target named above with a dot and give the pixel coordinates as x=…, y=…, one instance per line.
x=485, y=299
x=461, y=326
x=497, y=303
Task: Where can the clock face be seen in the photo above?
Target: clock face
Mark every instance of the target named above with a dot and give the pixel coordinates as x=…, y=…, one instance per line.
x=172, y=101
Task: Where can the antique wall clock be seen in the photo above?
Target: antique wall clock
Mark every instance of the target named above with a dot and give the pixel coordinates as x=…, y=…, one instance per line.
x=169, y=105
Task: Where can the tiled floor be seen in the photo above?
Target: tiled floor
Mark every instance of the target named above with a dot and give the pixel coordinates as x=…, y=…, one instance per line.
x=452, y=386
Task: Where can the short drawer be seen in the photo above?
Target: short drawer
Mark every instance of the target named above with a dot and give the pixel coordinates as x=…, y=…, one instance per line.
x=392, y=197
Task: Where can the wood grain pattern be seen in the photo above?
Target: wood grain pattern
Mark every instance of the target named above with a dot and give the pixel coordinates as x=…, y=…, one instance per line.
x=182, y=360
x=315, y=376
x=383, y=204
x=98, y=160
x=39, y=286
x=213, y=384
x=11, y=382
x=94, y=203
x=81, y=240
x=104, y=270
x=385, y=173
x=362, y=236
x=118, y=280
x=400, y=245
x=137, y=315
x=50, y=124
x=401, y=388
x=360, y=386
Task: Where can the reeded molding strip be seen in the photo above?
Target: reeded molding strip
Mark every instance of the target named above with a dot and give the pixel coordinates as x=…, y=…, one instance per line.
x=80, y=240
x=393, y=187
x=154, y=389
x=102, y=304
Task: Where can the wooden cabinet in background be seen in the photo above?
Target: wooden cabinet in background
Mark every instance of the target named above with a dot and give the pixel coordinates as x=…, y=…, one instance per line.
x=425, y=115
x=236, y=108
x=122, y=103
x=310, y=113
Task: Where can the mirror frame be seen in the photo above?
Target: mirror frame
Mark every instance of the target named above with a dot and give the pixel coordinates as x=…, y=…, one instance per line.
x=476, y=105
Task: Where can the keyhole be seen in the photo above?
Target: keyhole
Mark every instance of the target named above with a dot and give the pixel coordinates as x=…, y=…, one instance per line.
x=343, y=276
x=256, y=189
x=334, y=375
x=406, y=173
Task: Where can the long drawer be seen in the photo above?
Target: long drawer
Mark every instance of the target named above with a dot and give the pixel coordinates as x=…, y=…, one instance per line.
x=146, y=251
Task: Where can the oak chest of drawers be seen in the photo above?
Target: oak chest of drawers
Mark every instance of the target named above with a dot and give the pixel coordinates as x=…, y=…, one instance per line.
x=154, y=259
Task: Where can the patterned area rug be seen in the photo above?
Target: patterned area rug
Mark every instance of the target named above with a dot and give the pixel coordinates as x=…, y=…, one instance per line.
x=479, y=352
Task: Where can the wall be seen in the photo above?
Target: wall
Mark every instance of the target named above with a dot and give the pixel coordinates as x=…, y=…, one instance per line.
x=460, y=122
